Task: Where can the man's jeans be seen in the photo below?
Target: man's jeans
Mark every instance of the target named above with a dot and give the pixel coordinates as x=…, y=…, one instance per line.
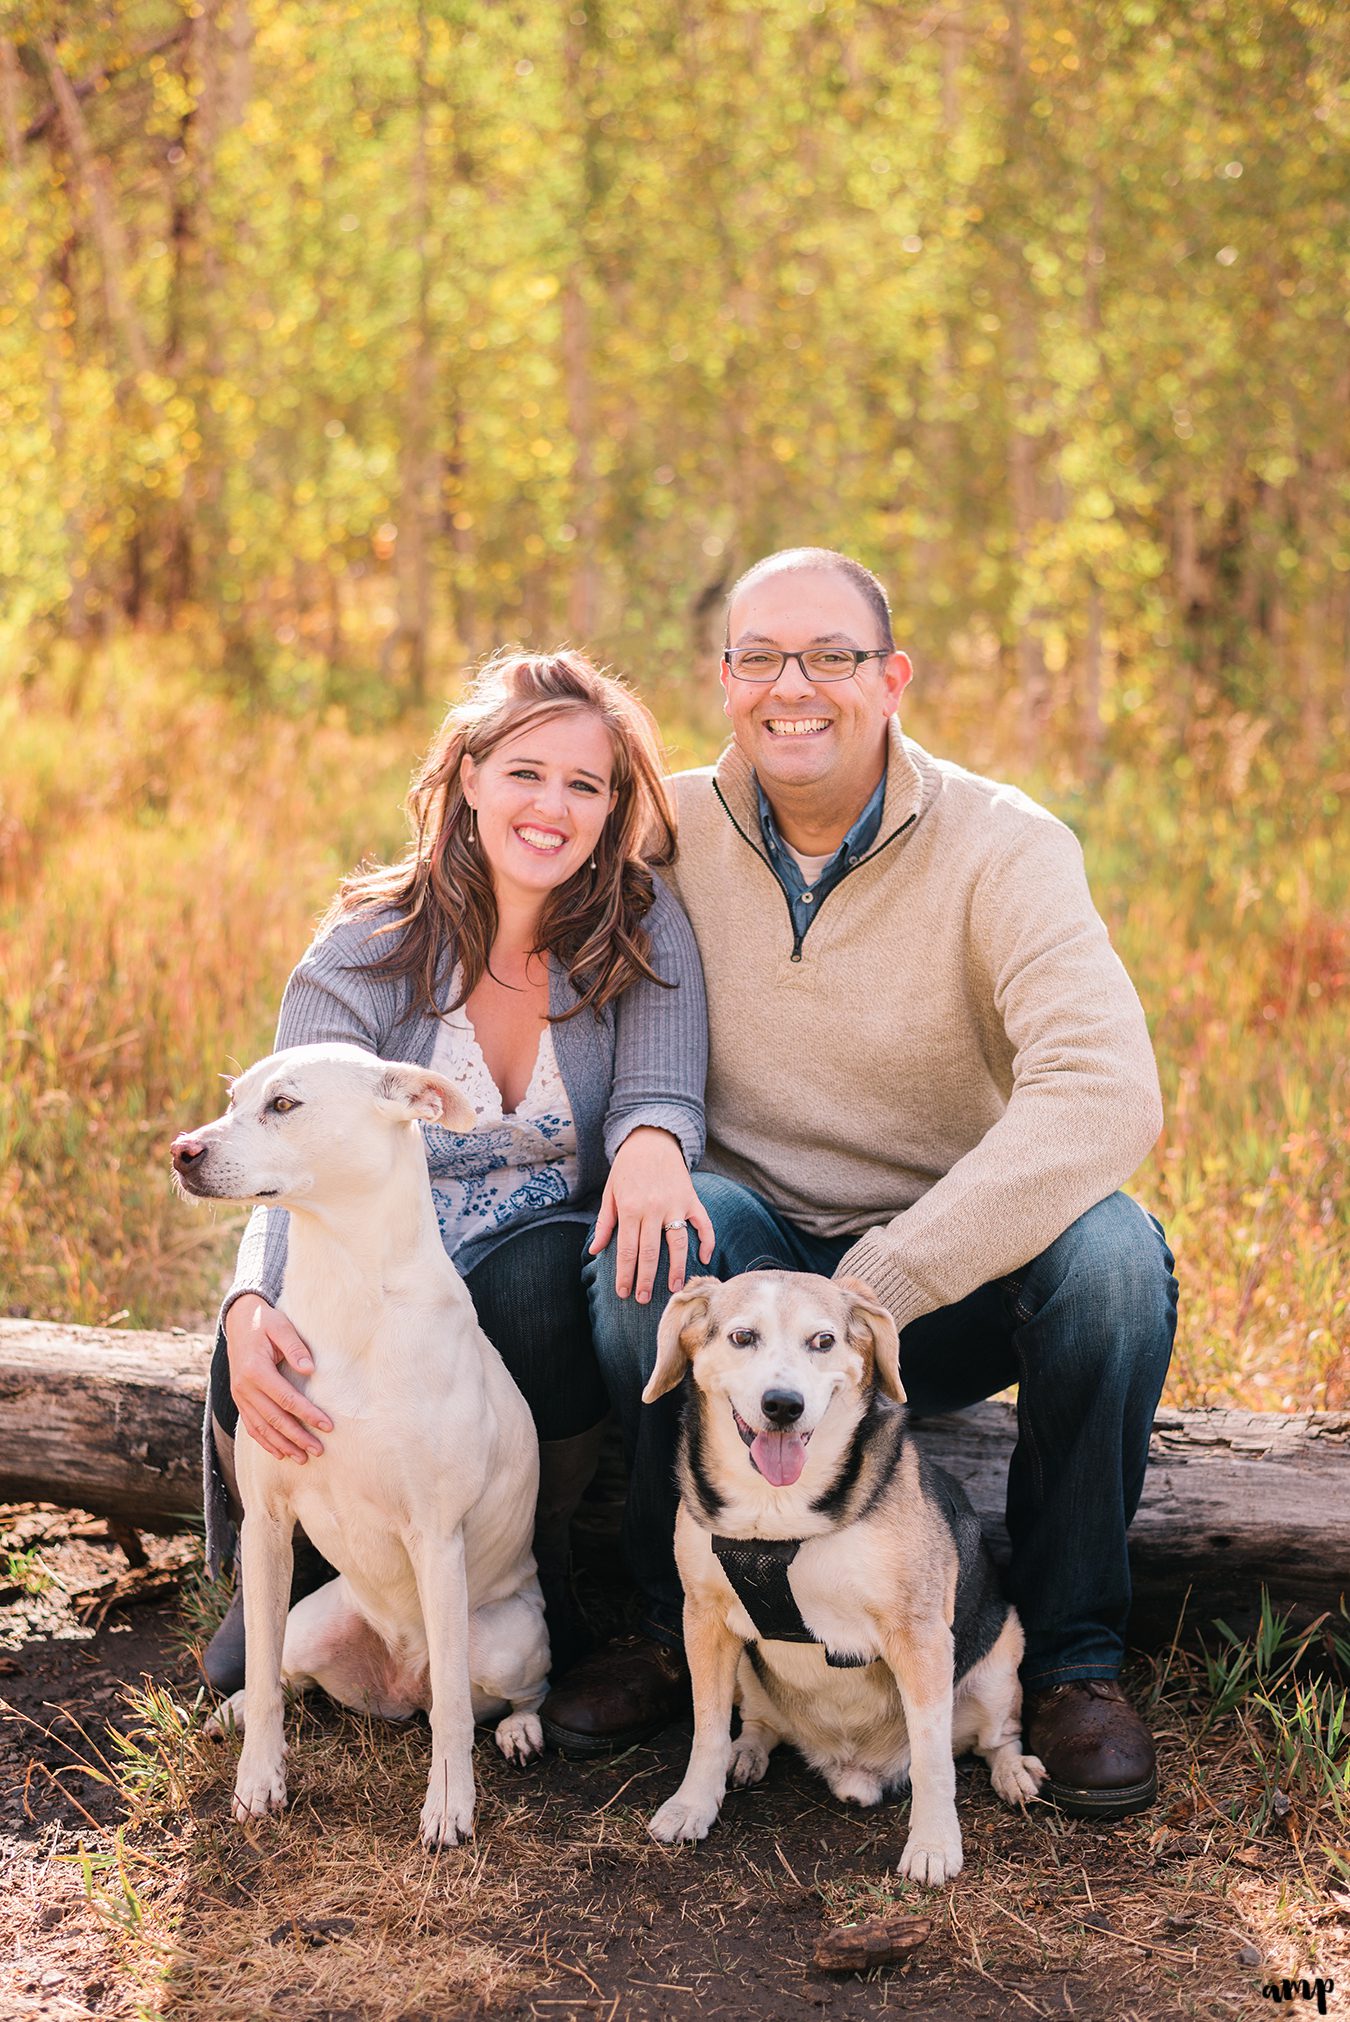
x=1084, y=1331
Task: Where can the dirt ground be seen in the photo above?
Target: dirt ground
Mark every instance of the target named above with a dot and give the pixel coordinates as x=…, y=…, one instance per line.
x=127, y=1891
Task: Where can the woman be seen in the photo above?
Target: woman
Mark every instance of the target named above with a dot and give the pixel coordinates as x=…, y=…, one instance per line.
x=522, y=947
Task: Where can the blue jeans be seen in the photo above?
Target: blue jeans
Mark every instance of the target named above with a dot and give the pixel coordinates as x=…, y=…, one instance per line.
x=1084, y=1331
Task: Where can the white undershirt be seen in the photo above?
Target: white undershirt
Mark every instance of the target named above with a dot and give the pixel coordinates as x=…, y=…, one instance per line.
x=810, y=867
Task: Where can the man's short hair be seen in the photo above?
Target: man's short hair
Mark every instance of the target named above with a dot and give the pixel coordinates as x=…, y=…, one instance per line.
x=791, y=559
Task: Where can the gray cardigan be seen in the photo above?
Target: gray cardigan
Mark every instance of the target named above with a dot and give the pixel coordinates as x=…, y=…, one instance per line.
x=642, y=1060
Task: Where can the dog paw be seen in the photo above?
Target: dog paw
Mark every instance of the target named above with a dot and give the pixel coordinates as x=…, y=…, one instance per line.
x=446, y=1820
x=854, y=1785
x=684, y=1816
x=1017, y=1778
x=259, y=1791
x=749, y=1760
x=520, y=1737
x=228, y=1718
x=931, y=1862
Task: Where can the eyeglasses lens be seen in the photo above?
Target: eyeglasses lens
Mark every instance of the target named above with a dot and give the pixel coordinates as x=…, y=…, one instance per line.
x=766, y=663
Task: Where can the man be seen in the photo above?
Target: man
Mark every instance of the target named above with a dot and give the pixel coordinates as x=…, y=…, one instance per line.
x=928, y=1070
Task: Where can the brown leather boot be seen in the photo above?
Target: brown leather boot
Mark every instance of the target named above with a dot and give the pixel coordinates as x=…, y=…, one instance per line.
x=628, y=1690
x=1097, y=1752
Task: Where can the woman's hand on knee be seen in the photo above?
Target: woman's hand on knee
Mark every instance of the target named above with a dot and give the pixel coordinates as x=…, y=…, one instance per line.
x=649, y=1194
x=281, y=1418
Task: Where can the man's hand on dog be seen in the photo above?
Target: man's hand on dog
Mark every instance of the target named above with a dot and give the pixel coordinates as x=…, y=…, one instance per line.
x=280, y=1417
x=649, y=1194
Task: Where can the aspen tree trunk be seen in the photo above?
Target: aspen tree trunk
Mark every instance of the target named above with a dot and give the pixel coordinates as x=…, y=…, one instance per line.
x=581, y=39
x=939, y=440
x=419, y=463
x=103, y=218
x=221, y=41
x=461, y=538
x=125, y=325
x=76, y=614
x=1091, y=727
x=1023, y=446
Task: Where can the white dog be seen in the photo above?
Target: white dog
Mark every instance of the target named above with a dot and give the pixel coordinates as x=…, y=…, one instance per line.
x=424, y=1494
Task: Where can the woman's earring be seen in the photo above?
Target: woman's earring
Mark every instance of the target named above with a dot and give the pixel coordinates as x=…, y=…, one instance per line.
x=592, y=859
x=473, y=829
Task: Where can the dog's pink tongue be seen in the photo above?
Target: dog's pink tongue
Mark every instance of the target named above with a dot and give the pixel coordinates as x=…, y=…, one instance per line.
x=779, y=1456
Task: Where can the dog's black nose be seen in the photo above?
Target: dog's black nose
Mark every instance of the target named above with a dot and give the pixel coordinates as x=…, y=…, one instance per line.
x=186, y=1152
x=782, y=1407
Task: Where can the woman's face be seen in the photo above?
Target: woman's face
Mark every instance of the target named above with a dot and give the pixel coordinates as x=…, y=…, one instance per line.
x=541, y=798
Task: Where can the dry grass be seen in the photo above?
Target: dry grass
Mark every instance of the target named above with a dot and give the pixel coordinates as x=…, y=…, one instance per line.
x=563, y=1903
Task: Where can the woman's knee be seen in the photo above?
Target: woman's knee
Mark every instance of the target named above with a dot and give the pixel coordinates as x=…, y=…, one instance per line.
x=532, y=1307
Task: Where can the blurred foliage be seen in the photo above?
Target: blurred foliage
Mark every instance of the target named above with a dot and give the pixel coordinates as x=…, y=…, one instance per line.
x=382, y=334
x=340, y=344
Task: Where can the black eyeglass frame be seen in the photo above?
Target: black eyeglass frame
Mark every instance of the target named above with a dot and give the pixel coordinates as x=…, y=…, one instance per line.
x=856, y=654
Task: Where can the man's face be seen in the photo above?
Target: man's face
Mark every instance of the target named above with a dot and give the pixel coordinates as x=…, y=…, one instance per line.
x=825, y=737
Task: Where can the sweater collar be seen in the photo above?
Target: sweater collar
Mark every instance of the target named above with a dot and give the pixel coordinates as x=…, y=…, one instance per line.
x=911, y=780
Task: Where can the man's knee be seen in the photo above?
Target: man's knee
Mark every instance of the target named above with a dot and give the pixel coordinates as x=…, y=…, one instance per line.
x=1106, y=1289
x=746, y=1233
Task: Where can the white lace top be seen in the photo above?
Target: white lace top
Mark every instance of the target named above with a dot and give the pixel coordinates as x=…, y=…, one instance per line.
x=509, y=1166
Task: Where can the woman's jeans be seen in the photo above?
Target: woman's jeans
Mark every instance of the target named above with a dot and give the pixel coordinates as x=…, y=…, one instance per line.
x=1084, y=1331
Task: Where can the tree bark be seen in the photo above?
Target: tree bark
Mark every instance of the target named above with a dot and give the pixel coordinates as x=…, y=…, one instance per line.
x=77, y=618
x=109, y=1421
x=420, y=463
x=84, y=87
x=102, y=1420
x=102, y=212
x=580, y=38
x=1231, y=1499
x=1024, y=444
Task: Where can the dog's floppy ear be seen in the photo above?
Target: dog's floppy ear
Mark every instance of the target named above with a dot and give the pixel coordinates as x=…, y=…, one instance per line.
x=870, y=1317
x=682, y=1332
x=415, y=1092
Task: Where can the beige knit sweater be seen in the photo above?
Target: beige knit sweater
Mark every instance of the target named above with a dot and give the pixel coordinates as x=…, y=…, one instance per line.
x=955, y=1067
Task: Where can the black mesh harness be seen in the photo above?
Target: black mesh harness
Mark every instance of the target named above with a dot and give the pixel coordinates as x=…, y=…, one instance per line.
x=758, y=1570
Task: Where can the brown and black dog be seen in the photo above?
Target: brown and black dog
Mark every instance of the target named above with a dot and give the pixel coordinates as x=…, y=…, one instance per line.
x=836, y=1584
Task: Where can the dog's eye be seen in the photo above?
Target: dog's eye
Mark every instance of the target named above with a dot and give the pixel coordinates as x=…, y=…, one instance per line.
x=743, y=1337
x=821, y=1343
x=283, y=1104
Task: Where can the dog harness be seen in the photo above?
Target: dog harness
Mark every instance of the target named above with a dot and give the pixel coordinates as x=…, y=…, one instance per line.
x=758, y=1570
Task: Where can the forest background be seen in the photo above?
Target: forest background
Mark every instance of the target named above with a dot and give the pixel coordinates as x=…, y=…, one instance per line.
x=339, y=344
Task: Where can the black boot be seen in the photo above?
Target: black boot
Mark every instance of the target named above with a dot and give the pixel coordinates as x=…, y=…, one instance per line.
x=565, y=1470
x=223, y=1657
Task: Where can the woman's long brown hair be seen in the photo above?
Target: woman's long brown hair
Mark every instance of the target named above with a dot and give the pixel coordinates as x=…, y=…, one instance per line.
x=442, y=886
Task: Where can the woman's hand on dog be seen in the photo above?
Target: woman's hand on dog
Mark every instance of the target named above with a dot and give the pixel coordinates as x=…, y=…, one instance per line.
x=649, y=1194
x=258, y=1340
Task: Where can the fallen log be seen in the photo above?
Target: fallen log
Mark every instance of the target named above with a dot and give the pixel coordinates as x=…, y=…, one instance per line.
x=103, y=1420
x=109, y=1421
x=1232, y=1500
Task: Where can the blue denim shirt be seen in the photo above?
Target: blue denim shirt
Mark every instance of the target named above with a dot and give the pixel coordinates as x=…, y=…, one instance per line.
x=803, y=899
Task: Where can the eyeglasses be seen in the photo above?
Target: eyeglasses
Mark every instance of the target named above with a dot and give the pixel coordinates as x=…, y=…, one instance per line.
x=817, y=663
